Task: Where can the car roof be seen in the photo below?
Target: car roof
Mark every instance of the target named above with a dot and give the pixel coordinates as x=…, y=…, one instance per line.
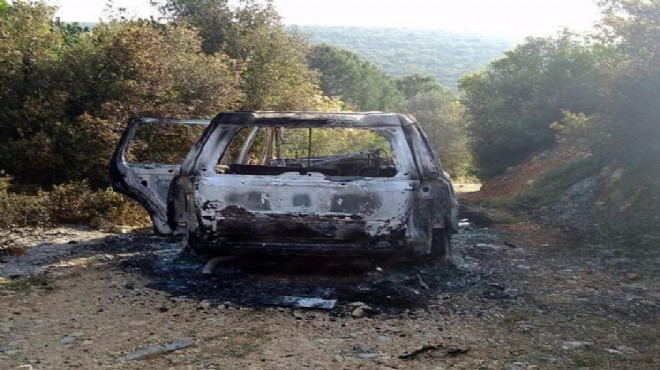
x=306, y=119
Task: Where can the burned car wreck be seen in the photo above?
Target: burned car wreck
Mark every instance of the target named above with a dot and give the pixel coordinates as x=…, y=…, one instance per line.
x=355, y=184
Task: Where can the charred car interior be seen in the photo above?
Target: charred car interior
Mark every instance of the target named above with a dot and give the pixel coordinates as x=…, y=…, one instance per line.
x=356, y=184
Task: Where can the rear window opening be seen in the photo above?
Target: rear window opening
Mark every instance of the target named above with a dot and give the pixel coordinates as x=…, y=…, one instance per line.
x=334, y=152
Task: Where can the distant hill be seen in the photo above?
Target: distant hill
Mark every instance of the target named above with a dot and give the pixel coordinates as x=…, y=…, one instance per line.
x=401, y=51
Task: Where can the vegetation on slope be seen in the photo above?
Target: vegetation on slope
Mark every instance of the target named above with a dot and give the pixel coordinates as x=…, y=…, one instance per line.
x=600, y=94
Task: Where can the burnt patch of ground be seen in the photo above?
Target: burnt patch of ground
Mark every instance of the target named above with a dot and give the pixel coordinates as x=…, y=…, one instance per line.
x=388, y=286
x=520, y=295
x=385, y=285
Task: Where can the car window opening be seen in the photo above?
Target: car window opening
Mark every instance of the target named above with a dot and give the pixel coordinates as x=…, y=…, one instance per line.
x=162, y=143
x=333, y=152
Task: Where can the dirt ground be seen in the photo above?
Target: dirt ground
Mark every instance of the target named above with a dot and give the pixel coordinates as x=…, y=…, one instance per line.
x=518, y=296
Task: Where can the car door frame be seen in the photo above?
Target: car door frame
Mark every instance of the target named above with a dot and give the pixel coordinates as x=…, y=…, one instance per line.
x=130, y=179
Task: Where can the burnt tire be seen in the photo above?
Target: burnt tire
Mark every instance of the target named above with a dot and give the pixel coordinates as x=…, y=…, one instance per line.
x=440, y=246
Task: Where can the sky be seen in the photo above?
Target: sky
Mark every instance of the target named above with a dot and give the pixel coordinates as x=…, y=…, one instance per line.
x=507, y=18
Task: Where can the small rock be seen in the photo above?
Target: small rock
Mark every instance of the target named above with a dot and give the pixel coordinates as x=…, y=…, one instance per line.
x=550, y=359
x=337, y=358
x=16, y=250
x=22, y=367
x=363, y=348
x=384, y=338
x=11, y=348
x=359, y=312
x=574, y=345
x=511, y=292
x=362, y=311
x=99, y=223
x=156, y=349
x=519, y=366
x=68, y=340
x=120, y=229
x=626, y=349
x=633, y=277
x=525, y=328
x=205, y=305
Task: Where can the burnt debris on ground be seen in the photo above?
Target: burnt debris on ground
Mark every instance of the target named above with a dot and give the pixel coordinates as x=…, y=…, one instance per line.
x=384, y=286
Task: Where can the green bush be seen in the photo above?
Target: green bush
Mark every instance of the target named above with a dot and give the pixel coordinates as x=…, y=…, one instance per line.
x=515, y=100
x=74, y=202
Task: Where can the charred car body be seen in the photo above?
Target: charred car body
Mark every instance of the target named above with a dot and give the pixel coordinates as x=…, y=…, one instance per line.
x=300, y=183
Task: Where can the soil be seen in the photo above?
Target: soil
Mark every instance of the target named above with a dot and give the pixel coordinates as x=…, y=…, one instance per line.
x=516, y=179
x=517, y=296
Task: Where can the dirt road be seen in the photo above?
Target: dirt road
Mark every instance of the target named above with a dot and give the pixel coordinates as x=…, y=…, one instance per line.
x=519, y=296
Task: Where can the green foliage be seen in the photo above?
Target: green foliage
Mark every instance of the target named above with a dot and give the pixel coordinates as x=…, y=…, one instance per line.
x=416, y=83
x=4, y=7
x=333, y=141
x=513, y=102
x=631, y=112
x=443, y=120
x=25, y=284
x=275, y=75
x=581, y=130
x=21, y=209
x=66, y=93
x=70, y=202
x=223, y=27
x=356, y=81
x=610, y=81
x=401, y=51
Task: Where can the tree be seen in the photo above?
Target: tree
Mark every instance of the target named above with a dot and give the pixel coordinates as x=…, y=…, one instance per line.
x=224, y=27
x=443, y=119
x=69, y=94
x=631, y=111
x=275, y=74
x=513, y=102
x=354, y=80
x=416, y=83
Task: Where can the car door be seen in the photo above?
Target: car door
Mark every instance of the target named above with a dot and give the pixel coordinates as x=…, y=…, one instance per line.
x=148, y=157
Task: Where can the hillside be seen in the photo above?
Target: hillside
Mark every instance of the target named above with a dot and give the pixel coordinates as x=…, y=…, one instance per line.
x=401, y=51
x=597, y=199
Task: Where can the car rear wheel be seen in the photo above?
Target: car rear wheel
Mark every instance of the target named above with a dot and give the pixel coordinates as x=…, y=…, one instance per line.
x=441, y=246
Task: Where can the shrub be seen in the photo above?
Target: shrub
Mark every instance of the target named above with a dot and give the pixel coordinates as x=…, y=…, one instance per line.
x=73, y=202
